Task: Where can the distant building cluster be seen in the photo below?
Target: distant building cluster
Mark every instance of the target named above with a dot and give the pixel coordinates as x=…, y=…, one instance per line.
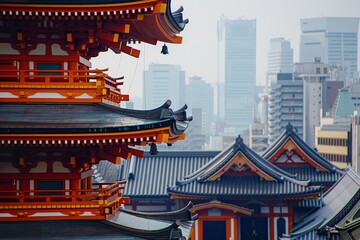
x=305, y=93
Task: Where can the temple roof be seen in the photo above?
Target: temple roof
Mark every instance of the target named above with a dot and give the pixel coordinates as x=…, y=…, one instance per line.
x=260, y=177
x=317, y=177
x=244, y=187
x=60, y=229
x=341, y=202
x=289, y=143
x=88, y=119
x=123, y=225
x=152, y=225
x=231, y=156
x=142, y=182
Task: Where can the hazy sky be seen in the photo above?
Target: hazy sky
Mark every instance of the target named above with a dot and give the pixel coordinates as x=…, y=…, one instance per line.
x=197, y=55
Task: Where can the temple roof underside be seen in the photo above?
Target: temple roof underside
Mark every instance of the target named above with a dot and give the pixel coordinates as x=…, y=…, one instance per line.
x=99, y=27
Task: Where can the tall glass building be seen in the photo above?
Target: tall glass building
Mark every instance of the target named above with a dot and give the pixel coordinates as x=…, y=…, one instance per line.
x=237, y=47
x=163, y=82
x=279, y=58
x=333, y=39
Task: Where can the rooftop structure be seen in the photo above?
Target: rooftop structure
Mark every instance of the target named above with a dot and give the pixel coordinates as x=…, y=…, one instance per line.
x=333, y=39
x=285, y=105
x=341, y=206
x=59, y=117
x=290, y=153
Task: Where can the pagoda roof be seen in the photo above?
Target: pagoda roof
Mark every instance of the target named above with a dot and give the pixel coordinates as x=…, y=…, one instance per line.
x=340, y=202
x=61, y=229
x=152, y=225
x=41, y=122
x=122, y=22
x=123, y=225
x=289, y=142
x=251, y=176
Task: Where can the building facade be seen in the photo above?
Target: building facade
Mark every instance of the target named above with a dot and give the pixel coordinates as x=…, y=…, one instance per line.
x=163, y=82
x=200, y=94
x=285, y=105
x=279, y=59
x=314, y=76
x=258, y=137
x=333, y=39
x=237, y=44
x=333, y=138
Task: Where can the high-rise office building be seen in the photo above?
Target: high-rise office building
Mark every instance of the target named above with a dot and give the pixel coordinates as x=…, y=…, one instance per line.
x=199, y=94
x=279, y=59
x=237, y=46
x=163, y=82
x=333, y=39
x=285, y=105
x=315, y=76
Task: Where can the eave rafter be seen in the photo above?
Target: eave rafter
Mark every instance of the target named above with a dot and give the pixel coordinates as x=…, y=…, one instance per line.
x=122, y=23
x=136, y=138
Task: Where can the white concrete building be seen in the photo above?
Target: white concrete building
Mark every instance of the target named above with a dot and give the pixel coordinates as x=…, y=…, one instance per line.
x=279, y=58
x=333, y=39
x=314, y=76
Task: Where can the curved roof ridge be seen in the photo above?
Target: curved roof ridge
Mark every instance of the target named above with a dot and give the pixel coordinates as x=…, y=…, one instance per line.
x=181, y=214
x=193, y=175
x=273, y=168
x=217, y=165
x=289, y=133
x=176, y=17
x=227, y=155
x=323, y=162
x=338, y=201
x=155, y=113
x=303, y=231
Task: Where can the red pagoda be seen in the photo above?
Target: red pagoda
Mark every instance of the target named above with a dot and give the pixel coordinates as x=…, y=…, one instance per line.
x=58, y=117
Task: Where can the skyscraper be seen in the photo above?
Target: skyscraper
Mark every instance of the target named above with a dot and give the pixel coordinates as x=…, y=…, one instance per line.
x=333, y=39
x=199, y=94
x=285, y=105
x=163, y=82
x=237, y=45
x=314, y=75
x=279, y=58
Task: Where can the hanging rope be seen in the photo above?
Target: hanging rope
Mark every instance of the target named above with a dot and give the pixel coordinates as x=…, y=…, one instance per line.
x=136, y=66
x=119, y=64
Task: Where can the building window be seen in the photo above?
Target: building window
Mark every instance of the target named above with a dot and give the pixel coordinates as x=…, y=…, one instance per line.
x=48, y=66
x=49, y=185
x=318, y=70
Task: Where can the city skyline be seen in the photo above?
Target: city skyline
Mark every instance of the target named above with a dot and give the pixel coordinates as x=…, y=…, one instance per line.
x=197, y=55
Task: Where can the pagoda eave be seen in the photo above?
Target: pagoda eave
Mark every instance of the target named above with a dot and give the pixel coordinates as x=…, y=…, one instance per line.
x=139, y=137
x=147, y=21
